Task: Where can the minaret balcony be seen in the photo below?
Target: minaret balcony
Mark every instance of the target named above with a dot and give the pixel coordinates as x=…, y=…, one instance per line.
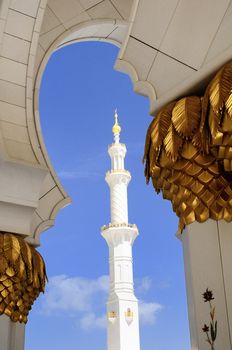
x=119, y=233
x=117, y=149
x=118, y=176
x=105, y=227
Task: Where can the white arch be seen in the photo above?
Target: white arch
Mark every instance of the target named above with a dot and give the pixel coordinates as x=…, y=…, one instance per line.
x=86, y=31
x=49, y=27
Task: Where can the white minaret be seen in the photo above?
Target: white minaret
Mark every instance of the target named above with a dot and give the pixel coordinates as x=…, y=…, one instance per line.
x=122, y=305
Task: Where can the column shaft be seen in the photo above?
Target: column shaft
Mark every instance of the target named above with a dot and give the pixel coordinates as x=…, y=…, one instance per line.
x=208, y=260
x=12, y=334
x=119, y=206
x=121, y=270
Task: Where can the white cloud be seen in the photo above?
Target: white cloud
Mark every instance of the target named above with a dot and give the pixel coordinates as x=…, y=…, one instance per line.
x=164, y=285
x=84, y=299
x=75, y=294
x=148, y=312
x=89, y=167
x=90, y=321
x=68, y=174
x=77, y=174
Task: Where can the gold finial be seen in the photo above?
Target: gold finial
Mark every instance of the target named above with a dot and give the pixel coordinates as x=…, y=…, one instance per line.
x=116, y=128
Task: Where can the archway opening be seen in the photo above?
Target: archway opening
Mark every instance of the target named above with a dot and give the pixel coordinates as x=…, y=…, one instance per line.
x=78, y=95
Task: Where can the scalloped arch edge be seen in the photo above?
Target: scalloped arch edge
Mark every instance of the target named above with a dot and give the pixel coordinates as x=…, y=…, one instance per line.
x=141, y=87
x=46, y=224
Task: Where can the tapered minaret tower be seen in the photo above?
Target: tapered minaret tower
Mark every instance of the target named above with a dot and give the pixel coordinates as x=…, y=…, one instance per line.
x=122, y=306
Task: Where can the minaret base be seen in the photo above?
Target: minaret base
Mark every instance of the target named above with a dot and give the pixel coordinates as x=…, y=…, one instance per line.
x=123, y=323
x=122, y=306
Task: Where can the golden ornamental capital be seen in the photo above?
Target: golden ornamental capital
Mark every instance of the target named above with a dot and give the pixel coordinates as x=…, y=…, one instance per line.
x=22, y=276
x=188, y=152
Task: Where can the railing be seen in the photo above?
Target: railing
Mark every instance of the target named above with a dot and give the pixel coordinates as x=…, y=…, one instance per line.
x=105, y=227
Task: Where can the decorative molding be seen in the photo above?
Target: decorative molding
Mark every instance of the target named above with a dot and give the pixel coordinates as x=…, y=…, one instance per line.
x=116, y=235
x=43, y=226
x=188, y=152
x=105, y=227
x=20, y=189
x=140, y=87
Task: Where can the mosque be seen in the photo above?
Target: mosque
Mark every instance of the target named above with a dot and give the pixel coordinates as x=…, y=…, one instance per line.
x=177, y=53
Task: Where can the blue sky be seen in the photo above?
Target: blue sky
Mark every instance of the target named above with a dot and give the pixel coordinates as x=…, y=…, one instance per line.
x=79, y=93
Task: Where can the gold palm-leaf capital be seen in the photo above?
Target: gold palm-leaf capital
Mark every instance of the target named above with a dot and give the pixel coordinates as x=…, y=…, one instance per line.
x=22, y=276
x=186, y=116
x=192, y=152
x=220, y=88
x=172, y=143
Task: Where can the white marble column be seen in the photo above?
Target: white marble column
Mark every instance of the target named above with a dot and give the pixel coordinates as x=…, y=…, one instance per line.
x=12, y=334
x=208, y=264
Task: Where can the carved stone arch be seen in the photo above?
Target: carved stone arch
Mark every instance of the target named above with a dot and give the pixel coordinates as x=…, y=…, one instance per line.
x=87, y=31
x=31, y=32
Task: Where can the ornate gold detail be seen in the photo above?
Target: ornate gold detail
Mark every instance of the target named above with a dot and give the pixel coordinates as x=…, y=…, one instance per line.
x=116, y=129
x=111, y=315
x=129, y=313
x=22, y=276
x=188, y=152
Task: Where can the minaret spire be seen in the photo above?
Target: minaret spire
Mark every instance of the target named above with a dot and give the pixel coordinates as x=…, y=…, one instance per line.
x=116, y=129
x=122, y=306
